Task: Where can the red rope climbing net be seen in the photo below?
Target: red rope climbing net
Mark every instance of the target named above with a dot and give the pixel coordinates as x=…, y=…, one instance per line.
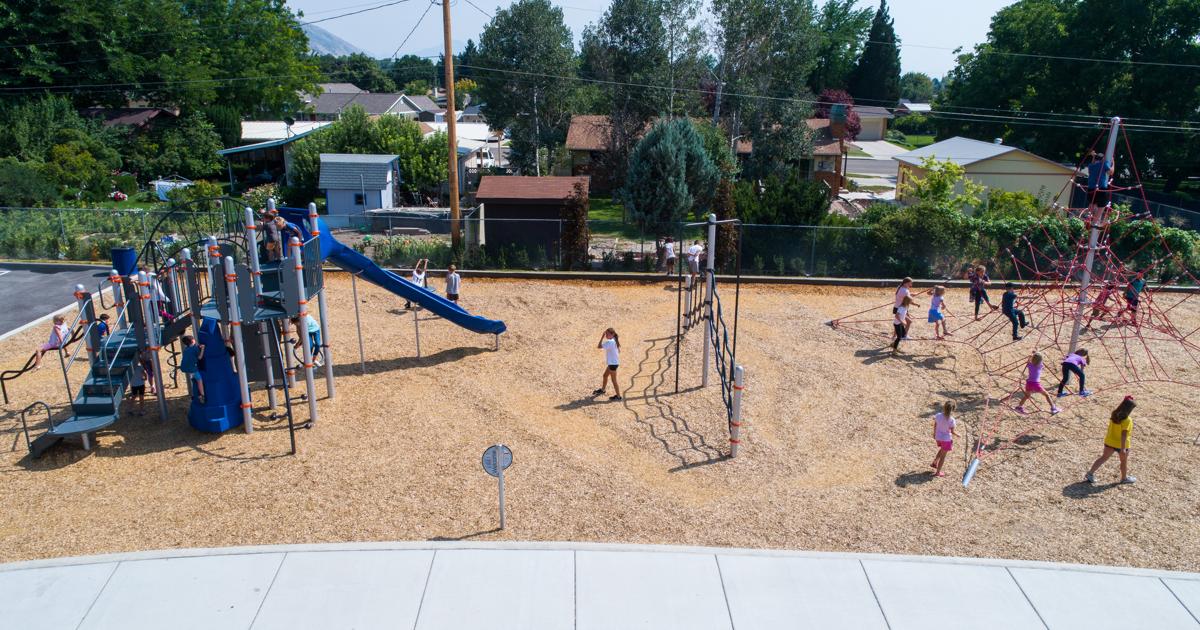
x=1126, y=331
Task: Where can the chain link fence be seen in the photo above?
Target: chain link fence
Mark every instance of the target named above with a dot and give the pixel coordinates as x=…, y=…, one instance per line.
x=399, y=239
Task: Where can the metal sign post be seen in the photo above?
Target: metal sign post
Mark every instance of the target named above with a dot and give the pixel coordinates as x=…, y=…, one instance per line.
x=495, y=459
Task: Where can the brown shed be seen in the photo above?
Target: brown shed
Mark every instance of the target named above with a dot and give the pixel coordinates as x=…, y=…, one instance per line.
x=525, y=211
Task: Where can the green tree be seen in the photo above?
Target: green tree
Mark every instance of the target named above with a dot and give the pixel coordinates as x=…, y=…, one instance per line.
x=23, y=185
x=422, y=160
x=409, y=68
x=227, y=123
x=33, y=126
x=916, y=87
x=944, y=184
x=764, y=47
x=670, y=177
x=188, y=149
x=251, y=55
x=575, y=230
x=876, y=78
x=842, y=27
x=1020, y=68
x=364, y=72
x=529, y=89
x=468, y=59
x=626, y=50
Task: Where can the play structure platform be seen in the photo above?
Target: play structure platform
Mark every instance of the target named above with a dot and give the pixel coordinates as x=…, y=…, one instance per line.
x=579, y=586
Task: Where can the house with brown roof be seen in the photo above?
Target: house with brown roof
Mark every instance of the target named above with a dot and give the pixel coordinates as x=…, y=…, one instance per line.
x=137, y=117
x=587, y=141
x=525, y=211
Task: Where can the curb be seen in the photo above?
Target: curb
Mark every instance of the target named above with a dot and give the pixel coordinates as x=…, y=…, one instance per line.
x=585, y=546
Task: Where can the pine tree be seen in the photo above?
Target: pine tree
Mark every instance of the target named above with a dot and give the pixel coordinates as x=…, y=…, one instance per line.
x=876, y=77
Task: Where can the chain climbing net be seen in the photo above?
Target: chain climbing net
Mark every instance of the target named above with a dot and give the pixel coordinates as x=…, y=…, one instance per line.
x=1128, y=332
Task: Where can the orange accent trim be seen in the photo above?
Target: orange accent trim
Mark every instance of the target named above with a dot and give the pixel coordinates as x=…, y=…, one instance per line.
x=156, y=348
x=308, y=365
x=231, y=276
x=735, y=424
x=235, y=323
x=739, y=387
x=245, y=406
x=302, y=302
x=299, y=267
x=251, y=227
x=733, y=441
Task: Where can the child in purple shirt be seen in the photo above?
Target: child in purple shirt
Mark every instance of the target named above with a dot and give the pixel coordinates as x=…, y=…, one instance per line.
x=1033, y=384
x=1074, y=364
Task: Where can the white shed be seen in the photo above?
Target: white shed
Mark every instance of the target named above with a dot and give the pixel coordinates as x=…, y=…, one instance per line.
x=355, y=183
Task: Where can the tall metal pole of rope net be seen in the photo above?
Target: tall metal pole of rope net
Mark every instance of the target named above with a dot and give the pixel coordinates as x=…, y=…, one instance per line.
x=1097, y=218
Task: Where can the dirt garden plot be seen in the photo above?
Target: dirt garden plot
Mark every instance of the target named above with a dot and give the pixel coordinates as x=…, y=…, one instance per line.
x=836, y=446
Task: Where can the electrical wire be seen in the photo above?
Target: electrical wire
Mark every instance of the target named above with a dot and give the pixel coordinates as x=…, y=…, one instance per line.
x=414, y=30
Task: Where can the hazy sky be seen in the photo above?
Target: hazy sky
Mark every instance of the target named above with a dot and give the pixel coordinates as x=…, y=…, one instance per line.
x=928, y=29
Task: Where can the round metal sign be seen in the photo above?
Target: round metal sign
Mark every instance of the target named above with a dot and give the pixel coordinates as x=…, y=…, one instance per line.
x=497, y=458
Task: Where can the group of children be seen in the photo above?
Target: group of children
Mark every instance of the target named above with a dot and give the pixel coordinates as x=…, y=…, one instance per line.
x=420, y=278
x=1116, y=437
x=694, y=253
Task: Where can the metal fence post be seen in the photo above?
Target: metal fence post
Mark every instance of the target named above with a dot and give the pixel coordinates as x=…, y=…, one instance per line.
x=812, y=254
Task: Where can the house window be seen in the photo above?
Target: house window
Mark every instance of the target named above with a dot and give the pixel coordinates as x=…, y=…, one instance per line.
x=359, y=199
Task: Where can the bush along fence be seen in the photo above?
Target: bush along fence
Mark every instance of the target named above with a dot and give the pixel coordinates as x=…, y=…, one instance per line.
x=920, y=244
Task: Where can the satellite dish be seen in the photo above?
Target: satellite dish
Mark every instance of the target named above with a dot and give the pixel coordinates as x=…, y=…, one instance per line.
x=289, y=121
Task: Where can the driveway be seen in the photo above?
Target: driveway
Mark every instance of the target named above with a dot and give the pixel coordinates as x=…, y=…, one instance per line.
x=31, y=291
x=871, y=167
x=879, y=149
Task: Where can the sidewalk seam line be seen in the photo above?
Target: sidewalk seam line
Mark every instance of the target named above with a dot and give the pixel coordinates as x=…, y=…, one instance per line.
x=878, y=603
x=1176, y=596
x=721, y=577
x=270, y=586
x=97, y=597
x=424, y=589
x=1026, y=596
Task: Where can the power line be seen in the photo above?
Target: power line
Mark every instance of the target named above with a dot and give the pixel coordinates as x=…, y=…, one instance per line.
x=489, y=15
x=414, y=30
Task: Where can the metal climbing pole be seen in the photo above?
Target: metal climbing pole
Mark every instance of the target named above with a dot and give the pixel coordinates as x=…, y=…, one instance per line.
x=239, y=350
x=302, y=331
x=709, y=281
x=1097, y=220
x=264, y=335
x=330, y=391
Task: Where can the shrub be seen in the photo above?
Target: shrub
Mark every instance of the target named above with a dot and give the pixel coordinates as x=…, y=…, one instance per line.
x=257, y=197
x=627, y=261
x=23, y=185
x=126, y=183
x=914, y=124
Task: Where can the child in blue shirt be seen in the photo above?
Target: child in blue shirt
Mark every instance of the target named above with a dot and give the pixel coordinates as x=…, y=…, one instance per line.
x=190, y=363
x=1008, y=306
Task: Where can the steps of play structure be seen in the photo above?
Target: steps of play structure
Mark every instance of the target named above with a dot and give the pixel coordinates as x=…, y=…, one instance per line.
x=104, y=385
x=86, y=404
x=87, y=423
x=43, y=442
x=116, y=367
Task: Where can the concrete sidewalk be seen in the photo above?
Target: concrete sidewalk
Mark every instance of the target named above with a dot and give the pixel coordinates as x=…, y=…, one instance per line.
x=544, y=586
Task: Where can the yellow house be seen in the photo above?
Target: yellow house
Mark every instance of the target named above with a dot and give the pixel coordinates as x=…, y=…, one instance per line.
x=993, y=165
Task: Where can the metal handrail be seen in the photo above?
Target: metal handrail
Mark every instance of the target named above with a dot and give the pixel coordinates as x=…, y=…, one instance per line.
x=66, y=366
x=25, y=425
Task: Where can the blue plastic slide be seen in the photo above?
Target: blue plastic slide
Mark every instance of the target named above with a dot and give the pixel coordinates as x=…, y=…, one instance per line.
x=354, y=262
x=221, y=409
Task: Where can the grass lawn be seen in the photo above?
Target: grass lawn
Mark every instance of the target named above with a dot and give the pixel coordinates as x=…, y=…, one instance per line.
x=914, y=142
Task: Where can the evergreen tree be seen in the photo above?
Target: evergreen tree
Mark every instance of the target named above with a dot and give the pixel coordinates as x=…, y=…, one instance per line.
x=670, y=177
x=876, y=78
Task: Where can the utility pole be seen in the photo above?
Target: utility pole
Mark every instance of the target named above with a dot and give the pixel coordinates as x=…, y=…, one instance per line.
x=451, y=133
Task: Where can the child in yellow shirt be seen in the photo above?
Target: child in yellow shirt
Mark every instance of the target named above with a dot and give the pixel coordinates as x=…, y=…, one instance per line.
x=1116, y=441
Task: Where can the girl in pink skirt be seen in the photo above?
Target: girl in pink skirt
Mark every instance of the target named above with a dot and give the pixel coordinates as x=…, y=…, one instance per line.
x=943, y=434
x=1033, y=384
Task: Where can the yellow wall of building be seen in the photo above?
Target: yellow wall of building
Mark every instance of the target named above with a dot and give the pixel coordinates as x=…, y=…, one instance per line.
x=1014, y=172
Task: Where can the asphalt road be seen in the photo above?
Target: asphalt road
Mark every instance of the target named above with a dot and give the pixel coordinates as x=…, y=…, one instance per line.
x=30, y=291
x=877, y=168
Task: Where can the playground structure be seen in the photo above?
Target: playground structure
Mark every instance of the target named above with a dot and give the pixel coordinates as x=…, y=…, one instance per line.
x=1063, y=292
x=703, y=308
x=238, y=308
